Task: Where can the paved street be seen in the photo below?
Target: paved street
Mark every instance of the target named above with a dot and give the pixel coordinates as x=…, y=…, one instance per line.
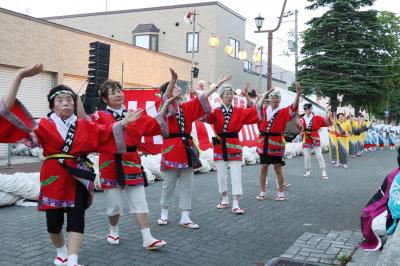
x=266, y=230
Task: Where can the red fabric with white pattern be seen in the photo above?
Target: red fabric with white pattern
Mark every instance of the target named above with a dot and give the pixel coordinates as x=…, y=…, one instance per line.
x=147, y=99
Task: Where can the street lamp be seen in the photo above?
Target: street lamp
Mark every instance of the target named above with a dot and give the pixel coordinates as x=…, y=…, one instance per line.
x=259, y=23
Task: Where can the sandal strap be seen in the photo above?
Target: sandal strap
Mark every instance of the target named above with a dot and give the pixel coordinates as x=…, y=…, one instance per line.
x=113, y=238
x=155, y=243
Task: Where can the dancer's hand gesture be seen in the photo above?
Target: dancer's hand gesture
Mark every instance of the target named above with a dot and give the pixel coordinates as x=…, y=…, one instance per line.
x=30, y=71
x=131, y=116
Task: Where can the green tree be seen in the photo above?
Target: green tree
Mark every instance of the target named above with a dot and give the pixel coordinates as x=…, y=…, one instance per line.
x=390, y=39
x=342, y=53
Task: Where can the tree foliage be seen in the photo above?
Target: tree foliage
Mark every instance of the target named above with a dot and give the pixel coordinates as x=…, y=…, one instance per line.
x=350, y=52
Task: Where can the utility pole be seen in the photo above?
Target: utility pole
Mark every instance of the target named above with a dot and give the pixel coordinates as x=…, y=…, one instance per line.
x=261, y=63
x=296, y=44
x=193, y=39
x=259, y=21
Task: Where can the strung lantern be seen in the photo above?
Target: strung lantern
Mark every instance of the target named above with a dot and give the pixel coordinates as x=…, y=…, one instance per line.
x=242, y=55
x=230, y=50
x=214, y=41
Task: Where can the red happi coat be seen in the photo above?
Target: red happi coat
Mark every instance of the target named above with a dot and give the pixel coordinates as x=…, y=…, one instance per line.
x=174, y=154
x=57, y=184
x=144, y=126
x=239, y=117
x=276, y=144
x=311, y=138
x=15, y=123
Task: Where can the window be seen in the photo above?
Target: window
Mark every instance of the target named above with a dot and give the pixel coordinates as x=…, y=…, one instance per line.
x=248, y=65
x=147, y=41
x=236, y=45
x=189, y=42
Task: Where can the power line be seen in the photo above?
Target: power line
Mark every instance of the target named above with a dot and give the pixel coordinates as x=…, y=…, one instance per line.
x=350, y=75
x=361, y=64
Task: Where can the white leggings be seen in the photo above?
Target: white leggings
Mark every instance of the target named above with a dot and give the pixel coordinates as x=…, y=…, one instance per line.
x=185, y=177
x=307, y=158
x=236, y=176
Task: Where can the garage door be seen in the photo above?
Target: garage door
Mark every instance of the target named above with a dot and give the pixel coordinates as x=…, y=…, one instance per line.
x=32, y=93
x=78, y=84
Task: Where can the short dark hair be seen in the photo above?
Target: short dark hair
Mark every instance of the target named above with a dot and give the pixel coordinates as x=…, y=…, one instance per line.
x=163, y=88
x=50, y=96
x=253, y=94
x=307, y=106
x=106, y=86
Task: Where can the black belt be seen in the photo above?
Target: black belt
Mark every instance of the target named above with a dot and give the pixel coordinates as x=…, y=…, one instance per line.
x=193, y=159
x=266, y=138
x=223, y=137
x=84, y=174
x=228, y=135
x=270, y=134
x=179, y=135
x=119, y=167
x=131, y=148
x=309, y=131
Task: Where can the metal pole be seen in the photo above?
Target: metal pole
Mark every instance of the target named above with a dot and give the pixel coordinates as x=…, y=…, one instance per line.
x=9, y=156
x=296, y=43
x=193, y=38
x=122, y=76
x=269, y=63
x=269, y=80
x=261, y=62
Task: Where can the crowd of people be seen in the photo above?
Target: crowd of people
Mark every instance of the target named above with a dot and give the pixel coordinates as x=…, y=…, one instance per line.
x=351, y=136
x=68, y=135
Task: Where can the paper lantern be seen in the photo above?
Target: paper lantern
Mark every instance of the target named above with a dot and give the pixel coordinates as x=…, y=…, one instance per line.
x=257, y=57
x=214, y=41
x=230, y=50
x=242, y=55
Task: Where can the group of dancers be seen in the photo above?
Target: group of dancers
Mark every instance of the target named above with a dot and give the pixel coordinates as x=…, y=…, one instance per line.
x=351, y=136
x=67, y=135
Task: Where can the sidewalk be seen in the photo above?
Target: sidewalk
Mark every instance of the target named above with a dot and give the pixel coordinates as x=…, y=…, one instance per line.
x=25, y=164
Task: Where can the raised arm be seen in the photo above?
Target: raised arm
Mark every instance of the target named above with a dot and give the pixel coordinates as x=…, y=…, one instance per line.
x=249, y=103
x=11, y=94
x=299, y=124
x=172, y=82
x=80, y=111
x=295, y=106
x=223, y=78
x=164, y=109
x=261, y=99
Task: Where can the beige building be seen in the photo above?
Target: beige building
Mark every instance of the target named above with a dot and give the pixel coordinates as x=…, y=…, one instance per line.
x=163, y=29
x=65, y=54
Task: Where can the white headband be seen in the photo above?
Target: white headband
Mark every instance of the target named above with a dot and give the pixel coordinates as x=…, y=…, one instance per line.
x=60, y=92
x=226, y=87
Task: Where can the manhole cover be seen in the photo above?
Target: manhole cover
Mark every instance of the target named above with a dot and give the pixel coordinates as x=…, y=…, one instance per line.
x=290, y=262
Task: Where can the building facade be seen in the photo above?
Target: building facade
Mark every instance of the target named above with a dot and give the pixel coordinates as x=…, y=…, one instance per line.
x=163, y=29
x=65, y=54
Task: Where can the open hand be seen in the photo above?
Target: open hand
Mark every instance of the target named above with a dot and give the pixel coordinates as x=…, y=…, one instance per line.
x=223, y=78
x=298, y=86
x=132, y=115
x=174, y=76
x=30, y=71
